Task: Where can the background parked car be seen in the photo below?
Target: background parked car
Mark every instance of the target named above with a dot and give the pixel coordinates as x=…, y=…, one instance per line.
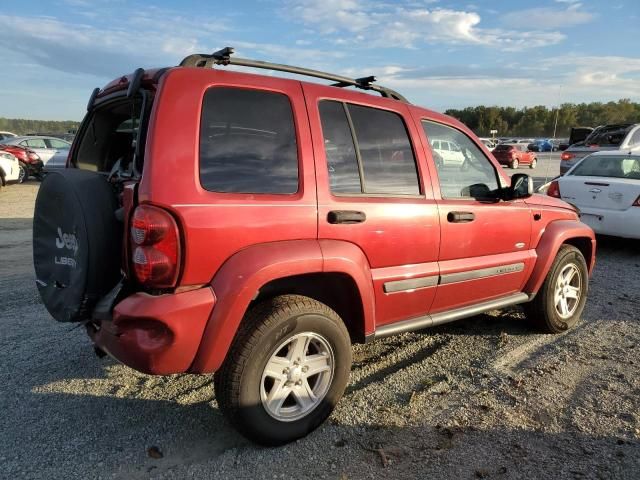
x=541, y=145
x=624, y=137
x=605, y=186
x=515, y=155
x=490, y=143
x=4, y=135
x=449, y=152
x=52, y=151
x=30, y=163
x=9, y=168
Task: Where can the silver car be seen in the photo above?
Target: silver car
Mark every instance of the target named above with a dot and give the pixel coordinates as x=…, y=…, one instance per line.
x=624, y=137
x=52, y=151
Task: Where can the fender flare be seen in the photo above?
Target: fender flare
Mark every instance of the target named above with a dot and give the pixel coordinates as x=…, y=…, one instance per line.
x=555, y=235
x=240, y=278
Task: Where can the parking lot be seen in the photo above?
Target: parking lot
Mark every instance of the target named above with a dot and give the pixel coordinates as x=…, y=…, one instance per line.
x=481, y=398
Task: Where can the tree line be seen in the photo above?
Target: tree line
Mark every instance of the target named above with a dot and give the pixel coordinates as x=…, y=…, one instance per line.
x=22, y=126
x=539, y=121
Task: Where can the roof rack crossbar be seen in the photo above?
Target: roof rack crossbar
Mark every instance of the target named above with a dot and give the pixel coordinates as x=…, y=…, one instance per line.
x=223, y=57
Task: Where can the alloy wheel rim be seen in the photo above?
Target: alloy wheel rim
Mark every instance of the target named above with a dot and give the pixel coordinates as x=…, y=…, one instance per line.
x=21, y=174
x=297, y=376
x=568, y=291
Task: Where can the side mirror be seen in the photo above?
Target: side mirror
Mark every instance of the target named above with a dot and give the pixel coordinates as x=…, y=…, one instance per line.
x=521, y=186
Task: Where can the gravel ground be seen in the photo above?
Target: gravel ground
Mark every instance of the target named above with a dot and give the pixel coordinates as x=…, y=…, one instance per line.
x=481, y=398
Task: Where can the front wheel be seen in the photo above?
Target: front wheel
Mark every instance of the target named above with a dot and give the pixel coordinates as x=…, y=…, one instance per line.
x=533, y=163
x=286, y=370
x=514, y=163
x=559, y=303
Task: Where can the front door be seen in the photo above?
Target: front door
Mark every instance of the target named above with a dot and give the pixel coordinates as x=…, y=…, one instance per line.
x=485, y=242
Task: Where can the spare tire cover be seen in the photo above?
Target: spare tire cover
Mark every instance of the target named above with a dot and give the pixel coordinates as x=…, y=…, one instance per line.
x=76, y=242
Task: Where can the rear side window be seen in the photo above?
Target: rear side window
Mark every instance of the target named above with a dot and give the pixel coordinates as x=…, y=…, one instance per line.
x=248, y=142
x=60, y=144
x=374, y=158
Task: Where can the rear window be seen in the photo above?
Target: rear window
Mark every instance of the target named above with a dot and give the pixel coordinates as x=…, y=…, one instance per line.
x=609, y=136
x=503, y=148
x=248, y=142
x=108, y=137
x=608, y=166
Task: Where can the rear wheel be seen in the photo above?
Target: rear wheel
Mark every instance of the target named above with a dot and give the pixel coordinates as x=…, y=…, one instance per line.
x=514, y=163
x=285, y=371
x=23, y=173
x=533, y=163
x=560, y=301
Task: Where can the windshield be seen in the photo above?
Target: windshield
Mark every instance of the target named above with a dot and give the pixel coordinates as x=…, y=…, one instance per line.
x=608, y=166
x=607, y=136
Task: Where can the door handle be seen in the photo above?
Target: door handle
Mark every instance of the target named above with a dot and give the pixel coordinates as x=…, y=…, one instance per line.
x=345, y=216
x=460, y=217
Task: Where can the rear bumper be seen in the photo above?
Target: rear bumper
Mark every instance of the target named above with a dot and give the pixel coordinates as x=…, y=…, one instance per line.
x=618, y=223
x=156, y=334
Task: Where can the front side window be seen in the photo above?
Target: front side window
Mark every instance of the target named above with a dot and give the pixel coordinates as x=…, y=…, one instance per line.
x=248, y=142
x=375, y=158
x=467, y=173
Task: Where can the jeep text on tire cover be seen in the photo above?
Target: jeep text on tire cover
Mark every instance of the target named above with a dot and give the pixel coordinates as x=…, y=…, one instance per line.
x=256, y=226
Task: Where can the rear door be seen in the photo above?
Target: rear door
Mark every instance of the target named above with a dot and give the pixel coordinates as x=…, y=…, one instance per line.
x=59, y=151
x=370, y=171
x=485, y=243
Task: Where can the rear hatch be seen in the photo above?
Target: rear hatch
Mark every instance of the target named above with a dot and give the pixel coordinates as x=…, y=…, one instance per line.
x=503, y=153
x=600, y=192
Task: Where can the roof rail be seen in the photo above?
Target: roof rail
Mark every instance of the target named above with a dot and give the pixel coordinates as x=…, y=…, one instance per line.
x=223, y=57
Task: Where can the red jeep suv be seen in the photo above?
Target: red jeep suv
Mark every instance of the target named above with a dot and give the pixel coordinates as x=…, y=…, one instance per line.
x=255, y=227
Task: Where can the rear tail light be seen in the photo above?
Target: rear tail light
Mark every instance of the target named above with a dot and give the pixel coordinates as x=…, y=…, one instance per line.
x=155, y=247
x=33, y=156
x=554, y=189
x=636, y=203
x=566, y=156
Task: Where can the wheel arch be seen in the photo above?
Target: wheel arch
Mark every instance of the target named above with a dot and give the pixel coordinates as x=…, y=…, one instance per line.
x=317, y=269
x=556, y=234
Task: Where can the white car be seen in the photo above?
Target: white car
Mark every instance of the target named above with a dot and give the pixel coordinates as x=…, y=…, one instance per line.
x=9, y=168
x=5, y=135
x=489, y=143
x=449, y=152
x=605, y=187
x=52, y=151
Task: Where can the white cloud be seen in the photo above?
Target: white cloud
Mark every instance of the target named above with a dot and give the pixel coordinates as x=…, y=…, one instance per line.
x=382, y=24
x=583, y=79
x=549, y=18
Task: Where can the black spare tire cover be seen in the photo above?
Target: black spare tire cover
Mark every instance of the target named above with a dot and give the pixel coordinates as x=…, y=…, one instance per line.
x=76, y=242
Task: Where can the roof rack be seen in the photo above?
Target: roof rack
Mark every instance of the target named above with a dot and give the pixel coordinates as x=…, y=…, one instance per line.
x=223, y=57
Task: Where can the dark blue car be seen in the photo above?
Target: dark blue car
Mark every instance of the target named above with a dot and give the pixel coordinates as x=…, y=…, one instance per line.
x=541, y=145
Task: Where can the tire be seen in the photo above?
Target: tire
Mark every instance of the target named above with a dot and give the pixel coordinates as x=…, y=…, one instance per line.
x=270, y=333
x=23, y=176
x=533, y=163
x=514, y=164
x=77, y=242
x=543, y=311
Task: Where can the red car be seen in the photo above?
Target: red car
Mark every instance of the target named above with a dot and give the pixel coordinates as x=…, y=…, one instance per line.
x=256, y=227
x=515, y=155
x=30, y=163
